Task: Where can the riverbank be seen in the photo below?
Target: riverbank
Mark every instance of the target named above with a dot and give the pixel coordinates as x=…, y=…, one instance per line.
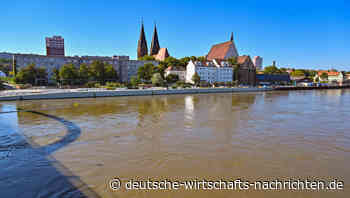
x=94, y=93
x=42, y=94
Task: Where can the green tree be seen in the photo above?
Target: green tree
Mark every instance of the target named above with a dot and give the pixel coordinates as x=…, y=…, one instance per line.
x=26, y=75
x=196, y=79
x=1, y=85
x=172, y=78
x=235, y=66
x=97, y=71
x=272, y=70
x=324, y=76
x=184, y=61
x=147, y=58
x=317, y=79
x=134, y=81
x=145, y=72
x=297, y=73
x=56, y=74
x=111, y=73
x=84, y=73
x=5, y=66
x=157, y=79
x=162, y=66
x=69, y=74
x=171, y=61
x=201, y=58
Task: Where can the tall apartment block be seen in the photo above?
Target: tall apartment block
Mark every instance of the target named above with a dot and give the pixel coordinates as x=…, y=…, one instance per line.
x=54, y=46
x=258, y=61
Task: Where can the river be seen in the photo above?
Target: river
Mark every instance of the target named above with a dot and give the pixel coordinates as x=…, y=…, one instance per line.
x=73, y=148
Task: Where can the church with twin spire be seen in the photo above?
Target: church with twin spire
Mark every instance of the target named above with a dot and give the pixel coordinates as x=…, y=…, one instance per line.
x=142, y=50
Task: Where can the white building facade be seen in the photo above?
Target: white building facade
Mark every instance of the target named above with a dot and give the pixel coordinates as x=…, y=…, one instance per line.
x=210, y=71
x=181, y=73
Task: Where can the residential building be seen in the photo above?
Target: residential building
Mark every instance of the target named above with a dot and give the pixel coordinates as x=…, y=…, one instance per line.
x=333, y=76
x=126, y=68
x=209, y=71
x=180, y=72
x=258, y=61
x=347, y=76
x=54, y=46
x=223, y=51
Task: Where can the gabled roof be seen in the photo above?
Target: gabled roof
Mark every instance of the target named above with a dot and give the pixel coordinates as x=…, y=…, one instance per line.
x=242, y=59
x=222, y=51
x=162, y=54
x=330, y=73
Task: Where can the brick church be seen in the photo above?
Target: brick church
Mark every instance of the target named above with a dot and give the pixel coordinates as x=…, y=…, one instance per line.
x=246, y=73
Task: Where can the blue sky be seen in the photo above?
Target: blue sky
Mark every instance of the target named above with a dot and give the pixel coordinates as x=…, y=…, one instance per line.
x=300, y=34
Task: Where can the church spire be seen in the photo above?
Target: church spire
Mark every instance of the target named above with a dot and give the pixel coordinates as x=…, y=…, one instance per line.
x=231, y=39
x=155, y=43
x=142, y=49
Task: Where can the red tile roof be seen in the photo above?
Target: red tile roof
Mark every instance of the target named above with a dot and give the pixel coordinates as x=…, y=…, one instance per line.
x=242, y=59
x=330, y=73
x=219, y=51
x=162, y=54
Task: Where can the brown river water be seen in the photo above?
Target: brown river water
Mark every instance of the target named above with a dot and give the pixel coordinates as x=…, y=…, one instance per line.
x=73, y=148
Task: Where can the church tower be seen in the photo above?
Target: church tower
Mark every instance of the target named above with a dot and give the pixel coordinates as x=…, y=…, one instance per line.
x=155, y=43
x=142, y=49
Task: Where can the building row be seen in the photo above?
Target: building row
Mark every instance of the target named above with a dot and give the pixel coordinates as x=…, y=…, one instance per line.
x=125, y=67
x=216, y=68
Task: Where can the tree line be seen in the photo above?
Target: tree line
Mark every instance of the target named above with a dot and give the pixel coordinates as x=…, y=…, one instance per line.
x=68, y=74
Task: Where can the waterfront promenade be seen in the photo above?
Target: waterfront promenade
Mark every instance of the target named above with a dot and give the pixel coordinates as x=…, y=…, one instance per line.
x=37, y=94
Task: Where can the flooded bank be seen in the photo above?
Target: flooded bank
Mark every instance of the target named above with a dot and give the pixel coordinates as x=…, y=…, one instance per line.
x=73, y=147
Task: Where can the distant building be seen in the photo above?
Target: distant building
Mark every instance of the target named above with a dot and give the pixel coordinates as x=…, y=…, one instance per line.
x=223, y=51
x=347, y=76
x=264, y=79
x=246, y=71
x=258, y=61
x=126, y=68
x=210, y=71
x=142, y=49
x=297, y=78
x=333, y=77
x=155, y=43
x=180, y=72
x=54, y=46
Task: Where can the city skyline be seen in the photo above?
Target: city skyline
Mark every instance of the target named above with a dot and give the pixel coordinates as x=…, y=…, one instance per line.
x=313, y=38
